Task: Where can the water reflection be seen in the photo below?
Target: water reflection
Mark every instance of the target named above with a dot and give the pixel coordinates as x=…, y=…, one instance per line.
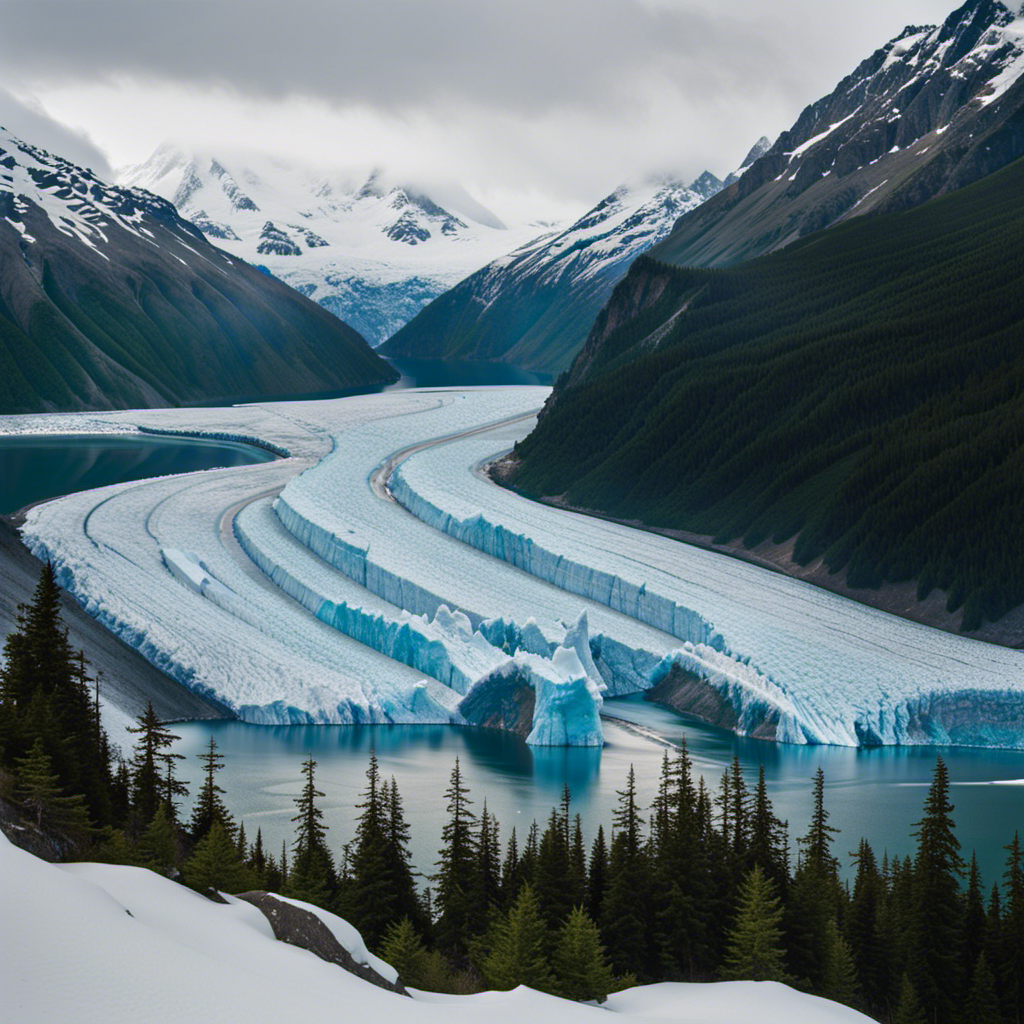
x=878, y=793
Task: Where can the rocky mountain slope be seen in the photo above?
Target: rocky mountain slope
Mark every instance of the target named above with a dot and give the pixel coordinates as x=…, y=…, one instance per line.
x=109, y=299
x=934, y=109
x=533, y=308
x=374, y=252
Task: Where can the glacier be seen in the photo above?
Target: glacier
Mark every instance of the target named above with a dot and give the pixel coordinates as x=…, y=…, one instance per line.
x=377, y=575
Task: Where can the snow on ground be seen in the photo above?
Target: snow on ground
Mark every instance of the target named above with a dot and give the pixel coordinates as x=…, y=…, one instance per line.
x=105, y=944
x=297, y=591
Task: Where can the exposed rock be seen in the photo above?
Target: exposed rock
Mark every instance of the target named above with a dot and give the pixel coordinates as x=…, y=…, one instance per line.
x=501, y=703
x=304, y=929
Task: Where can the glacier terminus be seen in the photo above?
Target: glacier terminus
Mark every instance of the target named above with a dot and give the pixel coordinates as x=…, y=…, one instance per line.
x=376, y=574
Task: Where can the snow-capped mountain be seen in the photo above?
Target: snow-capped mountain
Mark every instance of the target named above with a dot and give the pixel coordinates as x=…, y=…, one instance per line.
x=934, y=109
x=372, y=251
x=109, y=299
x=533, y=307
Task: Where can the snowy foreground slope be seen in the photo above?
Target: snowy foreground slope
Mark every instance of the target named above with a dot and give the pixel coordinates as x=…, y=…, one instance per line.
x=303, y=590
x=85, y=943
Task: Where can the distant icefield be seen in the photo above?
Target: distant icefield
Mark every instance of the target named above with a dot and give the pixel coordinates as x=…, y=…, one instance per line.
x=377, y=575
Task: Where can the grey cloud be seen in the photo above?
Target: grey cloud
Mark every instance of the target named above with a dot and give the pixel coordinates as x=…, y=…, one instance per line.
x=34, y=125
x=530, y=56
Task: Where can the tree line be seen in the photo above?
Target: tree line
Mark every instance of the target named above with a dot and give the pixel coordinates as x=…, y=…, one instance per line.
x=701, y=885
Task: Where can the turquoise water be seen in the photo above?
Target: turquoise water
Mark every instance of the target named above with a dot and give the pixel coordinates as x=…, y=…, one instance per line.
x=34, y=468
x=878, y=793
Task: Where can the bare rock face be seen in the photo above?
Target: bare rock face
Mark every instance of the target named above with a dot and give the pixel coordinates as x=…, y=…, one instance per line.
x=689, y=694
x=501, y=703
x=304, y=929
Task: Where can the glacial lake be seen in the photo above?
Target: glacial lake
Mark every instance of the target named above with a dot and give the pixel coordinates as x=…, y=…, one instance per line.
x=878, y=793
x=35, y=468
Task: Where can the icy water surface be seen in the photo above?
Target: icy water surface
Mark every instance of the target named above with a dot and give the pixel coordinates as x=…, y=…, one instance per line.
x=878, y=793
x=35, y=468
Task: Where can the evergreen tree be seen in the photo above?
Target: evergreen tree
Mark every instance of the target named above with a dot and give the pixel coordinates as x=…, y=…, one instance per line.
x=768, y=836
x=936, y=925
x=407, y=902
x=518, y=947
x=511, y=879
x=44, y=694
x=404, y=949
x=754, y=950
x=311, y=875
x=209, y=805
x=488, y=873
x=974, y=917
x=864, y=929
x=839, y=980
x=597, y=881
x=158, y=844
x=1012, y=931
x=38, y=790
x=624, y=916
x=215, y=865
x=815, y=897
x=982, y=1004
x=370, y=897
x=580, y=961
x=553, y=870
x=908, y=1009
x=147, y=764
x=455, y=868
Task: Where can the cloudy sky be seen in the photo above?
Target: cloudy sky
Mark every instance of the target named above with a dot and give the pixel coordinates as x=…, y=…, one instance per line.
x=536, y=106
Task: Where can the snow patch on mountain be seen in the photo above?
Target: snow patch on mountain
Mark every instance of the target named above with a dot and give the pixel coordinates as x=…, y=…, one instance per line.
x=372, y=251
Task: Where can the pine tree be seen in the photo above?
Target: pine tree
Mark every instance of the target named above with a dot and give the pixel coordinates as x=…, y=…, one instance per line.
x=1012, y=932
x=815, y=896
x=407, y=902
x=754, y=949
x=371, y=895
x=864, y=929
x=936, y=925
x=488, y=874
x=209, y=805
x=908, y=1009
x=44, y=694
x=311, y=876
x=553, y=871
x=839, y=979
x=404, y=949
x=38, y=790
x=519, y=943
x=982, y=1004
x=455, y=869
x=625, y=917
x=158, y=844
x=215, y=865
x=580, y=962
x=147, y=763
x=597, y=883
x=511, y=879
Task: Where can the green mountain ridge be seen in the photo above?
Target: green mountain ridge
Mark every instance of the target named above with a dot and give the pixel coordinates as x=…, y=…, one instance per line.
x=108, y=299
x=862, y=389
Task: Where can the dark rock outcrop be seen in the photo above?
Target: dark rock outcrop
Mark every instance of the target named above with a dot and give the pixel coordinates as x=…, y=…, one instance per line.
x=304, y=929
x=500, y=703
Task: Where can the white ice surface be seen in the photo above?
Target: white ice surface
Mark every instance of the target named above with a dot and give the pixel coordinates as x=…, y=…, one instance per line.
x=352, y=609
x=852, y=673
x=103, y=944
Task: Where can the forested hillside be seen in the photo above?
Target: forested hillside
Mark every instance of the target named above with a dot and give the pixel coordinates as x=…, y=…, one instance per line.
x=863, y=389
